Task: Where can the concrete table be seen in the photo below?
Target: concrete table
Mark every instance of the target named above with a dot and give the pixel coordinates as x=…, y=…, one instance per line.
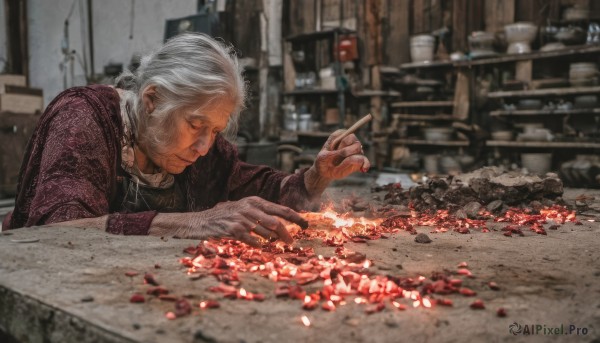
x=45, y=290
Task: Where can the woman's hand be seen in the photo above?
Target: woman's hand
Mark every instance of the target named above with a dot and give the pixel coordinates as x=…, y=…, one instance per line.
x=232, y=219
x=333, y=164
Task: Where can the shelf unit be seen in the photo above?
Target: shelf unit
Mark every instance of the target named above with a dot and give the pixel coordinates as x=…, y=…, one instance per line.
x=446, y=102
x=320, y=50
x=544, y=112
x=544, y=145
x=557, y=116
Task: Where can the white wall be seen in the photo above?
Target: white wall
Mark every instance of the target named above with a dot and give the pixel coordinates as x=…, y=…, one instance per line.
x=112, y=24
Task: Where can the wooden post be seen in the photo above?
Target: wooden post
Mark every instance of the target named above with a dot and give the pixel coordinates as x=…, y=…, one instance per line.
x=459, y=25
x=461, y=96
x=524, y=71
x=498, y=13
x=398, y=33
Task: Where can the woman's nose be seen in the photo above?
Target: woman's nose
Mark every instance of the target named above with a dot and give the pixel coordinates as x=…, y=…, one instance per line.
x=201, y=146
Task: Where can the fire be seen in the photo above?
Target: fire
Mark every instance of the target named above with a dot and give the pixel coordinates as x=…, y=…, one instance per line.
x=346, y=274
x=305, y=321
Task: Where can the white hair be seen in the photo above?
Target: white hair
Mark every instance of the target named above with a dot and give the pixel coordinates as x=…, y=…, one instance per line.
x=190, y=71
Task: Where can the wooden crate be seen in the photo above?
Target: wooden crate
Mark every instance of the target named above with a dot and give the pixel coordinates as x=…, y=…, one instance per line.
x=20, y=99
x=13, y=80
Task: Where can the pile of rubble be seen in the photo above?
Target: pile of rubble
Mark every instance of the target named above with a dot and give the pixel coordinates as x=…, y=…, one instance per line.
x=466, y=194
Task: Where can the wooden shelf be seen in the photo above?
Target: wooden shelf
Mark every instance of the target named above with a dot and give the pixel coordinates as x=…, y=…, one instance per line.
x=550, y=145
x=424, y=142
x=432, y=64
x=448, y=103
x=568, y=51
x=424, y=116
x=545, y=92
x=323, y=34
x=370, y=93
x=311, y=91
x=544, y=112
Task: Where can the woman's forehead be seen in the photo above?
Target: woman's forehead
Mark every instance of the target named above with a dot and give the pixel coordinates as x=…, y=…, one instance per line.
x=216, y=114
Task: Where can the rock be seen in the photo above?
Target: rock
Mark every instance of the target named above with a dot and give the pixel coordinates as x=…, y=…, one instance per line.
x=495, y=206
x=461, y=214
x=87, y=299
x=199, y=336
x=536, y=206
x=472, y=209
x=422, y=238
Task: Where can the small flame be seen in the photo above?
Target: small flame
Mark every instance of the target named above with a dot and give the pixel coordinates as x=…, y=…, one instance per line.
x=307, y=299
x=367, y=264
x=243, y=293
x=203, y=304
x=305, y=320
x=421, y=278
x=416, y=303
x=170, y=315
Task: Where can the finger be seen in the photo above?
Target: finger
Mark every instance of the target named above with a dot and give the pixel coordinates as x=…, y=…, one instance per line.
x=332, y=137
x=249, y=239
x=353, y=149
x=348, y=141
x=265, y=233
x=353, y=164
x=279, y=211
x=271, y=223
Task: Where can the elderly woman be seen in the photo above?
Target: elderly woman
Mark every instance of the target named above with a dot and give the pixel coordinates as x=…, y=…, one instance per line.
x=149, y=156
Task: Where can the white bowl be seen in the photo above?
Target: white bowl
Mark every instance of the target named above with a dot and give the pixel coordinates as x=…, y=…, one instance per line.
x=520, y=32
x=538, y=163
x=438, y=134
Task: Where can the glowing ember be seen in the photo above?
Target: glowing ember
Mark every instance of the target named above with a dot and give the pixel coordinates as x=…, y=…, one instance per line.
x=426, y=302
x=333, y=279
x=305, y=320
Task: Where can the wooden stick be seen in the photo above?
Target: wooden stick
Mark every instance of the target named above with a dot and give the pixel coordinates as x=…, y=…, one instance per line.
x=350, y=131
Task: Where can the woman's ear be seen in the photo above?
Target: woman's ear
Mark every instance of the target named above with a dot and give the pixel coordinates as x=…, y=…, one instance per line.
x=149, y=98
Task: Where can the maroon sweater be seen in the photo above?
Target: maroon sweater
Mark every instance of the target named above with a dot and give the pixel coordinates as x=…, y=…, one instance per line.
x=73, y=161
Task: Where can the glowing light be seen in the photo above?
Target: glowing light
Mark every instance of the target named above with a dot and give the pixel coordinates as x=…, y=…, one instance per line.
x=426, y=302
x=305, y=320
x=366, y=264
x=416, y=303
x=243, y=293
x=307, y=299
x=203, y=304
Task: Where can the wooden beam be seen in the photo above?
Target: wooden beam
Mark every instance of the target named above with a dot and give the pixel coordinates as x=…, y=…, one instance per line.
x=498, y=13
x=459, y=25
x=461, y=95
x=524, y=71
x=397, y=33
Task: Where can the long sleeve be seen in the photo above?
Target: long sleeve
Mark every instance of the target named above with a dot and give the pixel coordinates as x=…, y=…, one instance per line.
x=69, y=170
x=222, y=176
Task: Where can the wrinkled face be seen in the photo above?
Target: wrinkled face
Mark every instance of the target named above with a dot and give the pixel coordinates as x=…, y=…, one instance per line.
x=195, y=134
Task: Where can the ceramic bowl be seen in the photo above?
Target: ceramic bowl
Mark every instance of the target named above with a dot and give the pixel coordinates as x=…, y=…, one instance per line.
x=520, y=32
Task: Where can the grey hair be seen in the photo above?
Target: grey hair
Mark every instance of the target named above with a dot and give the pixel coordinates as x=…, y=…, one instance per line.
x=191, y=71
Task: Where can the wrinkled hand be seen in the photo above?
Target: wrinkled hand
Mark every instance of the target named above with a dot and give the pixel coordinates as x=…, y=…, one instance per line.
x=333, y=164
x=238, y=219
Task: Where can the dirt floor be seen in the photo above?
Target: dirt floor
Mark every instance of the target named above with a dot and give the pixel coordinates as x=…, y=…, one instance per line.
x=71, y=286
